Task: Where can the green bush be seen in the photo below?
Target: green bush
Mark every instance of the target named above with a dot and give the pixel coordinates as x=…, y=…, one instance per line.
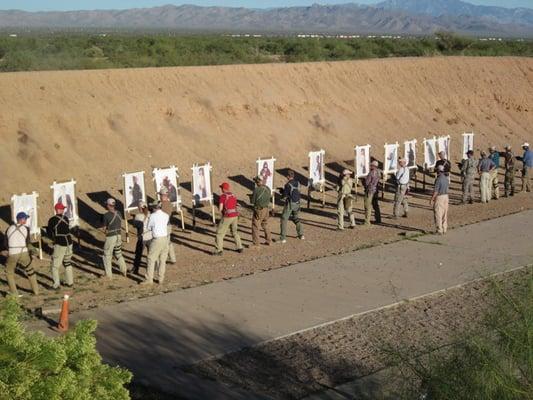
x=35, y=367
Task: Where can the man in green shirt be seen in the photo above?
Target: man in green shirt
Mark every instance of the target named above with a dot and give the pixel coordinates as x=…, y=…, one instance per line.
x=260, y=202
x=345, y=199
x=112, y=224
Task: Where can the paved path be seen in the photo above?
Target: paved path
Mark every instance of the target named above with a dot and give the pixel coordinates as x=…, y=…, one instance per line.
x=155, y=336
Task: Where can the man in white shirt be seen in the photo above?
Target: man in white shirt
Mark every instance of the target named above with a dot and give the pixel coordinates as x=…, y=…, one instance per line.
x=19, y=249
x=158, y=251
x=402, y=182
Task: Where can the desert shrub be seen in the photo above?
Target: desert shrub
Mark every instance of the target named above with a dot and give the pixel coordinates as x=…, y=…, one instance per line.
x=494, y=363
x=35, y=367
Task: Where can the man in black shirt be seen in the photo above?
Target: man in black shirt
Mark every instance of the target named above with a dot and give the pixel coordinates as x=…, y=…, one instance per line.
x=113, y=240
x=291, y=194
x=58, y=230
x=444, y=162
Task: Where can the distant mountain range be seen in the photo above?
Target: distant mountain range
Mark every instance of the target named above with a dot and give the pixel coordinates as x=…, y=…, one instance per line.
x=388, y=17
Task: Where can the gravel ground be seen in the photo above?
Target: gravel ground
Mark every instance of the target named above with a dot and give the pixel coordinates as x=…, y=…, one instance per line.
x=314, y=360
x=196, y=266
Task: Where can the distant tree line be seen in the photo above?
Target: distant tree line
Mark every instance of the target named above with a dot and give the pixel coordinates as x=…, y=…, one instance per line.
x=86, y=51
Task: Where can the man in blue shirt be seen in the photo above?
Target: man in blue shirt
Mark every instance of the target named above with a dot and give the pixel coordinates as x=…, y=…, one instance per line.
x=495, y=157
x=527, y=161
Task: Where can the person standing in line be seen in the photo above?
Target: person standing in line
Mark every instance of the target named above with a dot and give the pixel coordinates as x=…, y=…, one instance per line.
x=485, y=168
x=402, y=188
x=291, y=194
x=371, y=184
x=227, y=205
x=439, y=201
x=510, y=171
x=143, y=235
x=468, y=172
x=113, y=242
x=158, y=250
x=260, y=202
x=527, y=165
x=58, y=229
x=442, y=161
x=20, y=250
x=345, y=199
x=494, y=184
x=166, y=206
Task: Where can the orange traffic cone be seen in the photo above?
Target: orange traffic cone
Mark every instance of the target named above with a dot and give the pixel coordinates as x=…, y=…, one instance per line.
x=62, y=325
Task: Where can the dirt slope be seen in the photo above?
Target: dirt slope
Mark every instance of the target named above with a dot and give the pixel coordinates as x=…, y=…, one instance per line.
x=95, y=125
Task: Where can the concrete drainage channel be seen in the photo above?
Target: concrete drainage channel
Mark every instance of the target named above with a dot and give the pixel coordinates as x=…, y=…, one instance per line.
x=344, y=359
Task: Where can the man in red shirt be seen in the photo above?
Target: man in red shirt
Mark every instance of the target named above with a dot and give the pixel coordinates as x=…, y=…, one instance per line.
x=227, y=206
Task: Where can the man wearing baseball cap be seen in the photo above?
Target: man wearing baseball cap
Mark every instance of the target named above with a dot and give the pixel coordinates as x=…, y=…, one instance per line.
x=113, y=241
x=227, y=206
x=440, y=200
x=58, y=229
x=494, y=155
x=345, y=199
x=485, y=168
x=510, y=171
x=468, y=173
x=19, y=248
x=527, y=161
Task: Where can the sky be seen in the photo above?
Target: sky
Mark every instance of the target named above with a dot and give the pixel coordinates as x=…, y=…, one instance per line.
x=47, y=5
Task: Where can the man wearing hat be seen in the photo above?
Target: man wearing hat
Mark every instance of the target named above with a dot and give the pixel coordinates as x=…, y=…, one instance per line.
x=345, y=199
x=440, y=200
x=260, y=202
x=447, y=165
x=58, y=229
x=113, y=241
x=227, y=205
x=292, y=196
x=527, y=161
x=19, y=249
x=158, y=250
x=371, y=183
x=510, y=171
x=468, y=173
x=485, y=168
x=166, y=206
x=402, y=187
x=494, y=155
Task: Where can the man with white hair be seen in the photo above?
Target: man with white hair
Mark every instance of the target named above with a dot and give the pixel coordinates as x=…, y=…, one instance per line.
x=527, y=161
x=402, y=187
x=485, y=168
x=371, y=183
x=345, y=199
x=112, y=223
x=440, y=201
x=494, y=184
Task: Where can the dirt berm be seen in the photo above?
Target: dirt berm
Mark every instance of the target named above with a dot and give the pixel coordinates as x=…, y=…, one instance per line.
x=95, y=125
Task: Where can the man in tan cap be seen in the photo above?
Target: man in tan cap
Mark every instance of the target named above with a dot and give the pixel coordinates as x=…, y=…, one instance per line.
x=439, y=201
x=113, y=240
x=227, y=205
x=345, y=199
x=402, y=187
x=484, y=168
x=260, y=202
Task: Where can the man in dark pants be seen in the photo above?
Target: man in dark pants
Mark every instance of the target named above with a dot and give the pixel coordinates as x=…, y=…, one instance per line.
x=291, y=194
x=371, y=183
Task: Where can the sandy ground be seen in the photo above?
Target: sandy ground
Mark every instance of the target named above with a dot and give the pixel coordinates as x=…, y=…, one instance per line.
x=95, y=125
x=325, y=357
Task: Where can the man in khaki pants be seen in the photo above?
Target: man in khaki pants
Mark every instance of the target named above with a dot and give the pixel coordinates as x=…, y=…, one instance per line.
x=19, y=249
x=440, y=200
x=113, y=240
x=58, y=230
x=158, y=250
x=260, y=202
x=345, y=199
x=227, y=206
x=485, y=168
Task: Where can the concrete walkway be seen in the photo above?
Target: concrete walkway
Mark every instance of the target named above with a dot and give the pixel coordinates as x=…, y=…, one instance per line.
x=154, y=337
